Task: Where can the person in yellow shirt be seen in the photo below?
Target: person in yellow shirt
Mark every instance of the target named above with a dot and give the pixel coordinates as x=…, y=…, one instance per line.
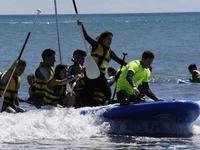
x=133, y=82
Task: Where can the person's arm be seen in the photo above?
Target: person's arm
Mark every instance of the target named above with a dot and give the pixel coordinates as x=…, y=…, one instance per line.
x=148, y=92
x=5, y=77
x=117, y=59
x=90, y=40
x=54, y=82
x=129, y=78
x=196, y=74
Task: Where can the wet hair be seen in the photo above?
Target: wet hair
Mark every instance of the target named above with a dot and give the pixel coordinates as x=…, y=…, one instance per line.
x=147, y=54
x=79, y=52
x=58, y=69
x=22, y=63
x=192, y=67
x=47, y=53
x=103, y=36
x=112, y=71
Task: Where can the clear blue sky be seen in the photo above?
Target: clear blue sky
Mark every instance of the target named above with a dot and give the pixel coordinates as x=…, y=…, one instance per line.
x=99, y=6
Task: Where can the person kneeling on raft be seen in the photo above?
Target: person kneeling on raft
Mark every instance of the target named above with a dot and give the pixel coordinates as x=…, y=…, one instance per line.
x=133, y=82
x=57, y=93
x=11, y=99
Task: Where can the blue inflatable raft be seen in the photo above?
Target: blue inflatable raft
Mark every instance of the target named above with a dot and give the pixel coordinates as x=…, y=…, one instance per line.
x=177, y=111
x=167, y=118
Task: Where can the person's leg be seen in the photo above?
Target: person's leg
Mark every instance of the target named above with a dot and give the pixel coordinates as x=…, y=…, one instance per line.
x=105, y=87
x=135, y=99
x=79, y=100
x=122, y=97
x=9, y=109
x=69, y=100
x=37, y=100
x=4, y=107
x=18, y=109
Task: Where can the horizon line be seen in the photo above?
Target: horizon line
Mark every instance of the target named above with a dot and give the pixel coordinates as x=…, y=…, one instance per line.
x=159, y=12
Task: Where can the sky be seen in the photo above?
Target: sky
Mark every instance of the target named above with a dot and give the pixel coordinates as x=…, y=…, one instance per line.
x=98, y=6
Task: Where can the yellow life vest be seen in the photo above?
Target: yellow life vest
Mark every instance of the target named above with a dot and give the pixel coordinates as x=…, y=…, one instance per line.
x=12, y=90
x=54, y=95
x=40, y=86
x=80, y=85
x=101, y=57
x=98, y=96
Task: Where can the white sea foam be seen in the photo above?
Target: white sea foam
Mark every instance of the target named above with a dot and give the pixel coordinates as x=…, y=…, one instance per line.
x=75, y=124
x=55, y=123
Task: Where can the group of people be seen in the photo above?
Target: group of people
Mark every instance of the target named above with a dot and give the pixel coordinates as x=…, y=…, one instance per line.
x=68, y=86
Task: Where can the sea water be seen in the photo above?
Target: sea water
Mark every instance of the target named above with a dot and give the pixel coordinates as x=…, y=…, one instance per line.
x=173, y=37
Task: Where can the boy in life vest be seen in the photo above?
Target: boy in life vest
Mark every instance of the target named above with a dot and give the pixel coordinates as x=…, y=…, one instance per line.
x=79, y=85
x=43, y=74
x=194, y=72
x=102, y=54
x=11, y=99
x=78, y=61
x=133, y=82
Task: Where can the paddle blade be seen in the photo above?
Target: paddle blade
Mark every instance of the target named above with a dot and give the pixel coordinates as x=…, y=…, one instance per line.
x=92, y=70
x=1, y=103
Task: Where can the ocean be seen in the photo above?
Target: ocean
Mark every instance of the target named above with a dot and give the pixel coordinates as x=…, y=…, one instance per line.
x=173, y=37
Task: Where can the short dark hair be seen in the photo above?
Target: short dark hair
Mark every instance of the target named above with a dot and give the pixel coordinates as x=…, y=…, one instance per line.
x=21, y=63
x=192, y=67
x=47, y=53
x=103, y=35
x=148, y=54
x=79, y=52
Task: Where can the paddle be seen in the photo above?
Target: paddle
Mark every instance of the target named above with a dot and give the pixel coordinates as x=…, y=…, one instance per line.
x=22, y=50
x=124, y=56
x=92, y=70
x=57, y=31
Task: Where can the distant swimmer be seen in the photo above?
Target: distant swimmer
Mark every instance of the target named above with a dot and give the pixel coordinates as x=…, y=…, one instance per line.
x=133, y=82
x=194, y=72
